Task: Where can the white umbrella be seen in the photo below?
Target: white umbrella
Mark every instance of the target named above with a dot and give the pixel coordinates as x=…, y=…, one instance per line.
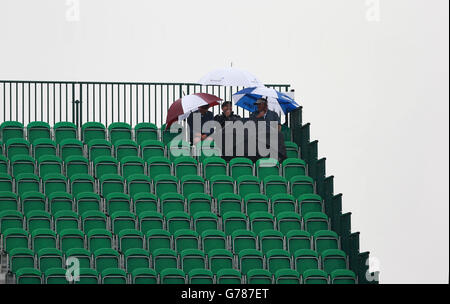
x=230, y=77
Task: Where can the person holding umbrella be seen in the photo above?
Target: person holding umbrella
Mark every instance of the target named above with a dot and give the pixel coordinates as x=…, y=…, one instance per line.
x=227, y=114
x=205, y=116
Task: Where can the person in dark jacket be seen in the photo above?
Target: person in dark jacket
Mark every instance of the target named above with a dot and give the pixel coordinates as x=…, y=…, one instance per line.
x=227, y=114
x=205, y=116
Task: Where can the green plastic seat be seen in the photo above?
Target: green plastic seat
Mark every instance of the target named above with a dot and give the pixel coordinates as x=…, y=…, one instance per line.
x=38, y=219
x=333, y=259
x=76, y=165
x=111, y=184
x=66, y=219
x=301, y=185
x=177, y=220
x=287, y=132
x=22, y=164
x=270, y=240
x=259, y=276
x=122, y=220
x=208, y=150
x=266, y=167
x=17, y=146
x=291, y=150
x=240, y=166
x=81, y=183
x=199, y=202
x=4, y=167
x=43, y=238
x=200, y=276
x=204, y=221
x=214, y=166
x=221, y=184
x=125, y=148
x=229, y=202
x=144, y=276
x=243, y=239
x=87, y=201
x=306, y=259
x=52, y=183
x=104, y=165
x=260, y=221
x=8, y=201
x=93, y=219
x=191, y=259
x=298, y=239
x=136, y=258
x=220, y=259
x=178, y=149
x=315, y=276
x=10, y=219
x=325, y=239
x=55, y=276
x=213, y=239
x=6, y=182
x=157, y=239
x=250, y=259
x=130, y=239
x=138, y=183
x=58, y=201
x=343, y=276
x=99, y=147
x=171, y=133
x=26, y=182
x=28, y=276
x=31, y=201
x=278, y=259
x=172, y=202
x=233, y=221
x=132, y=165
x=49, y=258
x=173, y=276
x=292, y=167
x=287, y=276
x=248, y=184
x=83, y=256
x=119, y=131
x=44, y=146
x=145, y=131
x=184, y=166
x=158, y=166
x=185, y=239
x=164, y=258
x=315, y=221
x=288, y=221
x=49, y=164
x=70, y=147
x=71, y=238
x=14, y=238
x=229, y=276
x=11, y=129
x=117, y=202
x=152, y=148
x=310, y=203
x=92, y=130
x=149, y=220
x=106, y=258
x=274, y=185
x=190, y=184
x=88, y=276
x=165, y=184
x=98, y=239
x=144, y=202
x=65, y=130
x=20, y=258
x=256, y=202
x=282, y=202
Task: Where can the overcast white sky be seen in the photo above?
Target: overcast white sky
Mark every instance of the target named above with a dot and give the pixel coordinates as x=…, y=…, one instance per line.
x=374, y=86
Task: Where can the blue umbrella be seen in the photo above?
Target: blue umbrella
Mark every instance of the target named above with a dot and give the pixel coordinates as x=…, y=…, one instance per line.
x=277, y=101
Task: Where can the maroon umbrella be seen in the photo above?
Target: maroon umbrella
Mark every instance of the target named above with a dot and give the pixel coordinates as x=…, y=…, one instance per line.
x=183, y=107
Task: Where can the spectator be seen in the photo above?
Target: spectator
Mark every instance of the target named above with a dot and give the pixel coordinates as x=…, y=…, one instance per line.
x=205, y=116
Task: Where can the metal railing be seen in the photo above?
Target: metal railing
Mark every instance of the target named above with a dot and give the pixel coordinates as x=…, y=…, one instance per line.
x=105, y=102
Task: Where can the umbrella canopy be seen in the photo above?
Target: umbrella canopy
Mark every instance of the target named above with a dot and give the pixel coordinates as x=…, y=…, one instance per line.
x=183, y=107
x=277, y=101
x=230, y=77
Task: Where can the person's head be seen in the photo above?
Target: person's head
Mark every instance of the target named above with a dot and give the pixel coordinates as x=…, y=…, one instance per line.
x=226, y=106
x=261, y=103
x=203, y=109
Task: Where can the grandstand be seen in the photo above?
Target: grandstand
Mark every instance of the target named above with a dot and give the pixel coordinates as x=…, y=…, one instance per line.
x=114, y=194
